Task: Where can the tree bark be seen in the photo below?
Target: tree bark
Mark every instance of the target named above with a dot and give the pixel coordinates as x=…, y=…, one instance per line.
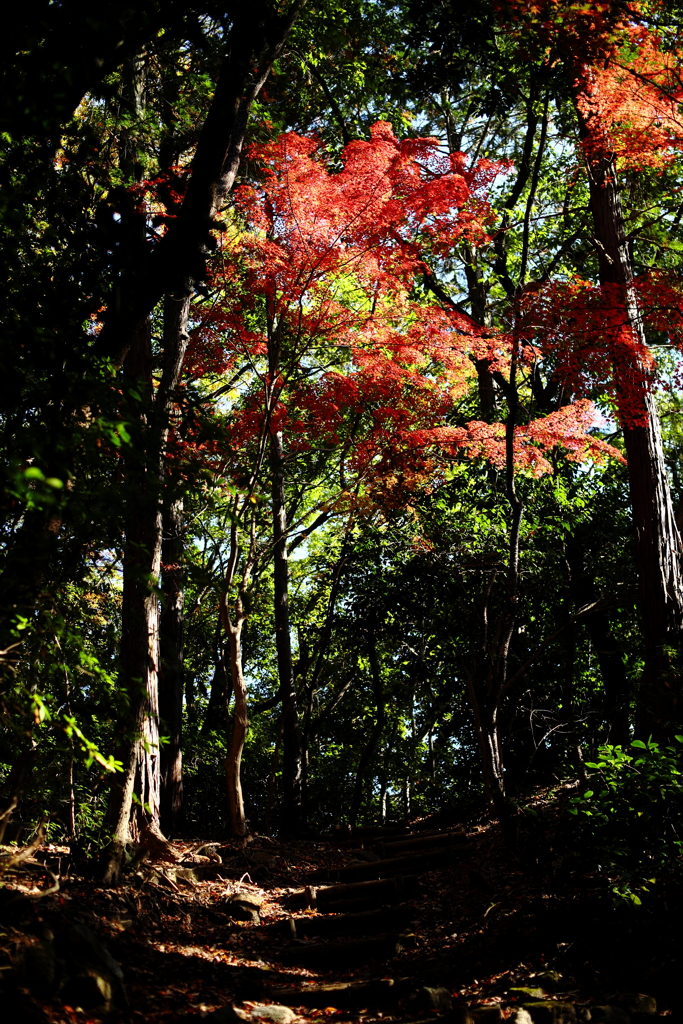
x=240, y=725
x=614, y=679
x=142, y=566
x=291, y=739
x=256, y=38
x=236, y=724
x=477, y=297
x=487, y=680
x=171, y=667
x=487, y=729
x=375, y=735
x=220, y=691
x=139, y=624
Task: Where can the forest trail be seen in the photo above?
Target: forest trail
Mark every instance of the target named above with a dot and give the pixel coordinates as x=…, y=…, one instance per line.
x=414, y=924
x=365, y=916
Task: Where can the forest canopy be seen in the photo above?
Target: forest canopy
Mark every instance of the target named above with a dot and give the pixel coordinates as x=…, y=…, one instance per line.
x=340, y=412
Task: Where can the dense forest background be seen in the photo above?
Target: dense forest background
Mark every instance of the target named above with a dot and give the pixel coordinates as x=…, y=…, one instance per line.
x=341, y=448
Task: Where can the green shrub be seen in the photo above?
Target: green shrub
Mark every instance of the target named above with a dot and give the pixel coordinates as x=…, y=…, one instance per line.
x=630, y=820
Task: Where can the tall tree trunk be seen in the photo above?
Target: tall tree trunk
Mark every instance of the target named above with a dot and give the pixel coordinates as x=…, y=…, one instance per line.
x=171, y=667
x=232, y=619
x=142, y=566
x=220, y=691
x=139, y=623
x=487, y=682
x=487, y=730
x=139, y=679
x=617, y=690
x=240, y=724
x=658, y=542
x=256, y=38
x=375, y=735
x=291, y=740
x=478, y=301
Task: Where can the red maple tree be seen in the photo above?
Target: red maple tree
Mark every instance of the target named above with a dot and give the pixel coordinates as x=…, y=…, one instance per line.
x=327, y=260
x=626, y=90
x=335, y=361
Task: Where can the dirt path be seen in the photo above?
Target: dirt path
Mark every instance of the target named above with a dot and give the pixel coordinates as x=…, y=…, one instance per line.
x=438, y=924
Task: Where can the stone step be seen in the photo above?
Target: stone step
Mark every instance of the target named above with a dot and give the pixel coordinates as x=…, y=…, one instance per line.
x=420, y=844
x=362, y=895
x=329, y=955
x=367, y=922
x=411, y=864
x=344, y=994
x=342, y=832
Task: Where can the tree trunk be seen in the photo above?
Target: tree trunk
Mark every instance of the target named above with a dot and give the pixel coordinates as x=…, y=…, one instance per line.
x=306, y=751
x=255, y=41
x=487, y=730
x=237, y=724
x=240, y=725
x=171, y=672
x=487, y=682
x=384, y=799
x=568, y=710
x=220, y=691
x=658, y=542
x=291, y=739
x=233, y=622
x=477, y=297
x=614, y=679
x=256, y=38
x=142, y=566
x=375, y=735
x=139, y=624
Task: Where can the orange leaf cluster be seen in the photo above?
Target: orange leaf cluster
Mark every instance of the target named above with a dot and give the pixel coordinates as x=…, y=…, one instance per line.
x=631, y=103
x=587, y=30
x=628, y=83
x=565, y=430
x=315, y=299
x=584, y=331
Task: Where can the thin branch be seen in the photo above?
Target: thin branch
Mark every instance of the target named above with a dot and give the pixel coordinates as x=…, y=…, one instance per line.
x=532, y=193
x=334, y=106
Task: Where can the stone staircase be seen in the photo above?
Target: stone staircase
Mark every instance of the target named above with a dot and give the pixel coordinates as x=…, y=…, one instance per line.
x=364, y=915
